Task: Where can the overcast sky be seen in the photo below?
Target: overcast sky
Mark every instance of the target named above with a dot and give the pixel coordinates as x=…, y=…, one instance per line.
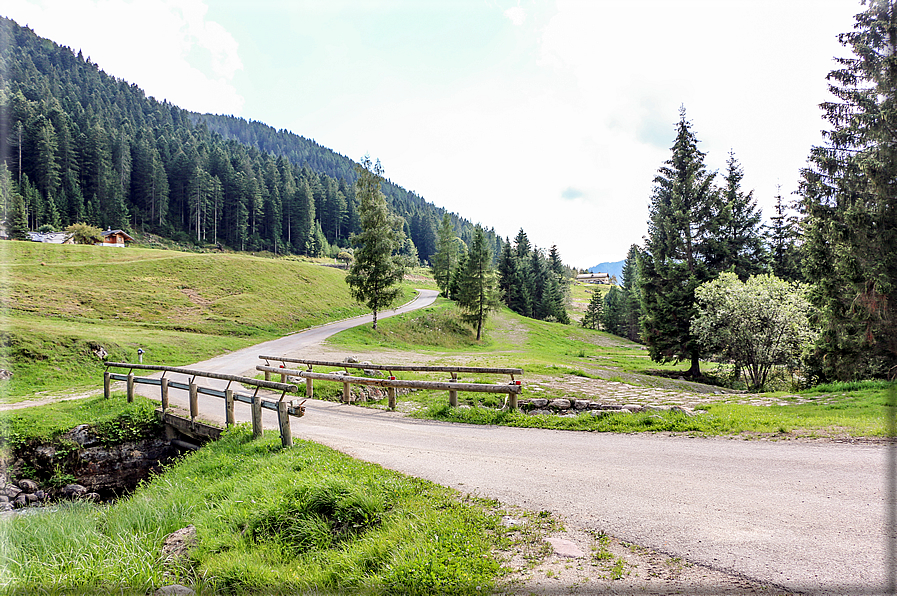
x=553, y=116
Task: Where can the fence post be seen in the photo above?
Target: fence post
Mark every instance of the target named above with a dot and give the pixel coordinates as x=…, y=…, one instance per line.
x=164, y=387
x=194, y=401
x=283, y=377
x=229, y=407
x=130, y=387
x=107, y=385
x=267, y=375
x=347, y=393
x=256, y=416
x=286, y=433
x=309, y=388
x=453, y=398
x=391, y=392
x=513, y=401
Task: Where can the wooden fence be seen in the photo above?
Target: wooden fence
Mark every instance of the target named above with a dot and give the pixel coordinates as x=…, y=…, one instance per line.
x=284, y=409
x=453, y=386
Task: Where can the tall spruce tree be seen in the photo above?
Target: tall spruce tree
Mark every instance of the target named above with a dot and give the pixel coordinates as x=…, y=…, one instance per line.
x=682, y=233
x=594, y=311
x=445, y=259
x=784, y=237
x=850, y=202
x=632, y=310
x=477, y=292
x=376, y=272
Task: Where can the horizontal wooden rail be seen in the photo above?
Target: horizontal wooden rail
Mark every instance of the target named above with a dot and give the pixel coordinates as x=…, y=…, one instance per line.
x=453, y=387
x=398, y=367
x=209, y=375
x=284, y=409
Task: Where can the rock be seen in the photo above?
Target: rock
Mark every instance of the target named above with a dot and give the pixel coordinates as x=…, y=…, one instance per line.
x=539, y=402
x=5, y=375
x=20, y=501
x=369, y=371
x=684, y=410
x=565, y=548
x=31, y=498
x=611, y=407
x=582, y=404
x=4, y=499
x=92, y=497
x=633, y=408
x=351, y=360
x=10, y=490
x=559, y=404
x=177, y=545
x=73, y=491
x=540, y=412
x=41, y=495
x=29, y=486
x=81, y=435
x=509, y=522
x=656, y=408
x=624, y=411
x=594, y=405
x=174, y=590
x=6, y=507
x=598, y=413
x=100, y=352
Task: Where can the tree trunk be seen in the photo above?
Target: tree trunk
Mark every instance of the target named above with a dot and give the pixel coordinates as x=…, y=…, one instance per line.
x=695, y=370
x=375, y=318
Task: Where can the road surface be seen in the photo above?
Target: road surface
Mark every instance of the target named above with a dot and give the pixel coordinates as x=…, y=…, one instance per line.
x=808, y=516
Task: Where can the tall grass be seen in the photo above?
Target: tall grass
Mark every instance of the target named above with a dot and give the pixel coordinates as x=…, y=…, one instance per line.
x=269, y=521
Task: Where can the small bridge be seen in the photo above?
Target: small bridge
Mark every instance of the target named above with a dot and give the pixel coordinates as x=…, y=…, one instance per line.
x=284, y=409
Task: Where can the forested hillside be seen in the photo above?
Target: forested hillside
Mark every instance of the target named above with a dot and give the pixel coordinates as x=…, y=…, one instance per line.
x=82, y=145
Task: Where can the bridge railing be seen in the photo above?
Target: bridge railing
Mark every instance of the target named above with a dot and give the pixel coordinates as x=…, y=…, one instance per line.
x=283, y=408
x=453, y=386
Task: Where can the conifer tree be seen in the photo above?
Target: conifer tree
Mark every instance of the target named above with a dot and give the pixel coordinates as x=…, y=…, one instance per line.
x=445, y=259
x=477, y=293
x=376, y=271
x=594, y=311
x=681, y=234
x=851, y=205
x=784, y=238
x=613, y=319
x=632, y=309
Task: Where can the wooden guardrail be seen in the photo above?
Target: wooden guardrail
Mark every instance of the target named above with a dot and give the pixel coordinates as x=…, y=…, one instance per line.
x=453, y=386
x=284, y=409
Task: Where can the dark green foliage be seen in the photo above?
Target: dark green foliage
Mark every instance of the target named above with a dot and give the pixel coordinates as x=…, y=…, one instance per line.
x=445, y=259
x=594, y=311
x=851, y=208
x=784, y=237
x=531, y=284
x=614, y=312
x=477, y=292
x=376, y=271
x=99, y=151
x=632, y=309
x=682, y=235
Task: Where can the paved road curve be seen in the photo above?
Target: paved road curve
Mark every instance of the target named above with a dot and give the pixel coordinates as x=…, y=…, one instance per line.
x=806, y=516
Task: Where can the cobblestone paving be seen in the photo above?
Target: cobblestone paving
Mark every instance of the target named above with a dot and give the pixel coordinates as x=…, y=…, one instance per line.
x=615, y=392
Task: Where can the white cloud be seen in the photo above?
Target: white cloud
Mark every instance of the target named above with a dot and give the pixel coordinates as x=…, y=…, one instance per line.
x=516, y=14
x=167, y=47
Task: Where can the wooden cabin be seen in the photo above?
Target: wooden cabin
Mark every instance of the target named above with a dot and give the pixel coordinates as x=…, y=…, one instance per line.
x=116, y=238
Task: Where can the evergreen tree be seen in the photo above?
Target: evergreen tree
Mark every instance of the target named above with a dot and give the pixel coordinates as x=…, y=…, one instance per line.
x=784, y=238
x=739, y=244
x=632, y=310
x=445, y=259
x=851, y=205
x=681, y=234
x=477, y=295
x=376, y=272
x=18, y=218
x=614, y=321
x=594, y=311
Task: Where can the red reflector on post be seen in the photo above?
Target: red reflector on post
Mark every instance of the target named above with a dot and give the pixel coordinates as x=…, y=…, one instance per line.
x=392, y=378
x=516, y=382
x=281, y=366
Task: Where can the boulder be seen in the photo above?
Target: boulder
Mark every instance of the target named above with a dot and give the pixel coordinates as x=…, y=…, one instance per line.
x=611, y=407
x=174, y=590
x=5, y=375
x=559, y=404
x=20, y=501
x=538, y=402
x=656, y=408
x=177, y=545
x=633, y=408
x=351, y=360
x=565, y=548
x=29, y=486
x=73, y=491
x=540, y=412
x=598, y=413
x=10, y=490
x=582, y=404
x=82, y=436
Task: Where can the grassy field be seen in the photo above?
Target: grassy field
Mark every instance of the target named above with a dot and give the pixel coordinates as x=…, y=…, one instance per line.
x=63, y=304
x=554, y=356
x=268, y=521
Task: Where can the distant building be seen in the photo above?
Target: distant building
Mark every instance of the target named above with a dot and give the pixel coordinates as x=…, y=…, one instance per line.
x=594, y=278
x=115, y=238
x=49, y=237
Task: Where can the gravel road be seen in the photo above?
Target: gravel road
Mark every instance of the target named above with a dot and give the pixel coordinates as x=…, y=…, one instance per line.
x=807, y=516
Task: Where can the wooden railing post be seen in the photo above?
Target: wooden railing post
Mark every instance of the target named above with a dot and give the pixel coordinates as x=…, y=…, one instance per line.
x=347, y=393
x=164, y=388
x=453, y=398
x=229, y=407
x=107, y=385
x=194, y=401
x=512, y=401
x=391, y=392
x=286, y=433
x=309, y=388
x=256, y=416
x=283, y=377
x=267, y=375
x=130, y=387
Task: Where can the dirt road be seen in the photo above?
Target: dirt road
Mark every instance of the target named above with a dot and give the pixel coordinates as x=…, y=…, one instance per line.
x=806, y=516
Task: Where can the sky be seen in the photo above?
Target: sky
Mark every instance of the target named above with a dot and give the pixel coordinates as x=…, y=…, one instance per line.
x=550, y=116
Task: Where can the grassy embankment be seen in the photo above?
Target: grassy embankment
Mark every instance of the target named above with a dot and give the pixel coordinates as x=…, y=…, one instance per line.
x=62, y=303
x=553, y=352
x=268, y=521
